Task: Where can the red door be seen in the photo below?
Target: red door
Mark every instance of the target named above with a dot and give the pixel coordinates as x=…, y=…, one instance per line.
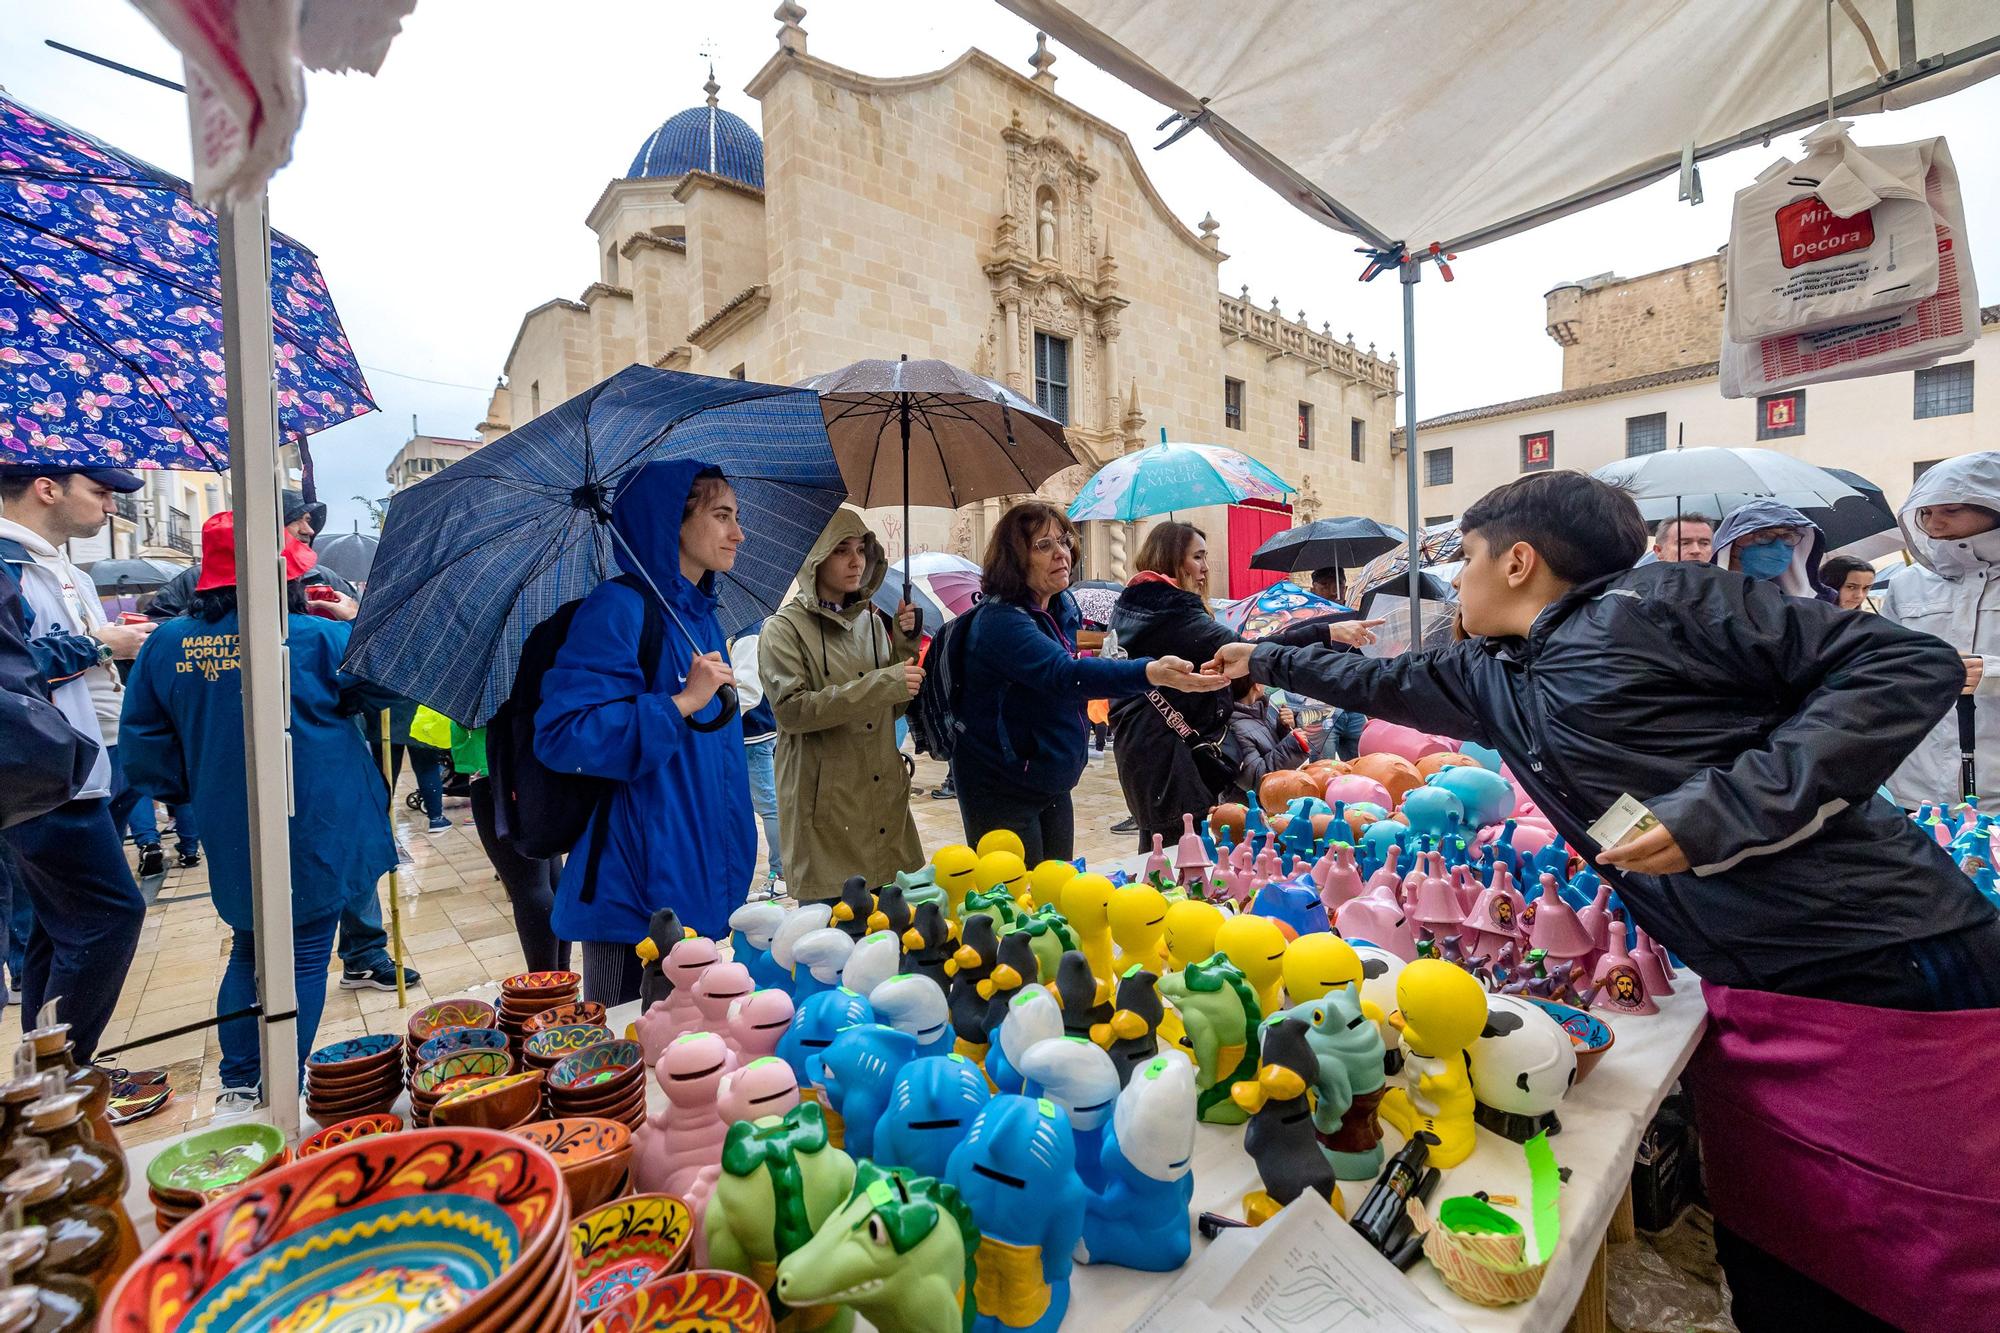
x=1251, y=524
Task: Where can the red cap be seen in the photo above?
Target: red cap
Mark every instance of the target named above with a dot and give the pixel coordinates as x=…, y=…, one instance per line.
x=218, y=554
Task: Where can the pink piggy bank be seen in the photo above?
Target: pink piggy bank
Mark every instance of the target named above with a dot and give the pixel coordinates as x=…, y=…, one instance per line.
x=1380, y=737
x=1352, y=788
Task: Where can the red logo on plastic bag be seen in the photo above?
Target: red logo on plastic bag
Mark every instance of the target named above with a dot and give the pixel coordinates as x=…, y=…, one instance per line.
x=1808, y=232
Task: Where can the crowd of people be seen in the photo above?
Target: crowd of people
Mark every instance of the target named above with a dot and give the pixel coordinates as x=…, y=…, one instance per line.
x=1722, y=671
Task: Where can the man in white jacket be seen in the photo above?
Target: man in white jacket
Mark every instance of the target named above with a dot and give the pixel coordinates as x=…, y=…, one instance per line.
x=1951, y=523
x=72, y=860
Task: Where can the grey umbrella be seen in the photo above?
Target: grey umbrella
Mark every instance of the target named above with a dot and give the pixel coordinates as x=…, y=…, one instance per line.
x=132, y=575
x=348, y=554
x=1713, y=481
x=928, y=433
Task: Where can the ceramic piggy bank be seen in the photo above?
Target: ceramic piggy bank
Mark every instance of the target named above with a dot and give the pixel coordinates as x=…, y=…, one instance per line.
x=856, y=1072
x=1140, y=1218
x=932, y=1105
x=1017, y=1169
x=915, y=1005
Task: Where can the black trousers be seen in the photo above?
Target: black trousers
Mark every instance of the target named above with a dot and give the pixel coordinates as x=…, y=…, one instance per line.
x=1043, y=821
x=530, y=885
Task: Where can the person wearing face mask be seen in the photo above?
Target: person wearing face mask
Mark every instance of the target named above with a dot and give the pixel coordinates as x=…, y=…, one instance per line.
x=838, y=673
x=1773, y=542
x=1949, y=523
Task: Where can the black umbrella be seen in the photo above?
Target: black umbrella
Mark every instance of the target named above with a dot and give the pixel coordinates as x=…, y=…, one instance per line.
x=928, y=433
x=348, y=554
x=1329, y=542
x=132, y=575
x=1434, y=589
x=1863, y=526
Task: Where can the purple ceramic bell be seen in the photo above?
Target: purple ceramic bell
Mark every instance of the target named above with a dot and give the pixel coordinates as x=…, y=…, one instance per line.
x=1617, y=984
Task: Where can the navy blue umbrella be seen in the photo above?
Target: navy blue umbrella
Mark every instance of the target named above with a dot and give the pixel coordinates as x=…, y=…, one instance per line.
x=475, y=557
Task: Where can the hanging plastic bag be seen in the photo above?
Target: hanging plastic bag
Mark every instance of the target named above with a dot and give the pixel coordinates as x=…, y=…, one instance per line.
x=1844, y=235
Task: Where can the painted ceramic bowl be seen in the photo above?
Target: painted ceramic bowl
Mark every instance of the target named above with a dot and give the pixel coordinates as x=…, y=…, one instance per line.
x=352, y=1056
x=564, y=1015
x=429, y=1080
x=432, y=1228
x=606, y=1065
x=449, y=1041
x=626, y=1245
x=537, y=985
x=498, y=1103
x=215, y=1158
x=593, y=1154
x=332, y=1112
x=360, y=1127
x=552, y=1044
x=705, y=1298
x=428, y=1021
x=1591, y=1035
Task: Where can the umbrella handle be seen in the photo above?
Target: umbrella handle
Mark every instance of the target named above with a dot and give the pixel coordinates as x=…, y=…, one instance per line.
x=726, y=694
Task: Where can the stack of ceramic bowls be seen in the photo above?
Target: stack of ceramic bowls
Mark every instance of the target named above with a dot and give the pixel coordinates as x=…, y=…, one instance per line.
x=347, y=1131
x=208, y=1166
x=451, y=1231
x=564, y=1015
x=607, y=1080
x=595, y=1157
x=494, y=1103
x=452, y=1073
x=432, y=1019
x=450, y=1041
x=543, y=1049
x=357, y=1077
x=623, y=1246
x=528, y=994
x=704, y=1298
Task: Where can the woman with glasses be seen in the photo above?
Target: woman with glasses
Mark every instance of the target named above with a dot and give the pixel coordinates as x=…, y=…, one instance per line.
x=1025, y=735
x=1768, y=540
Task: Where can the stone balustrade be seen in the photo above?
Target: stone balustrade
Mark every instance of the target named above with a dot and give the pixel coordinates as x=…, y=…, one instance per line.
x=1288, y=337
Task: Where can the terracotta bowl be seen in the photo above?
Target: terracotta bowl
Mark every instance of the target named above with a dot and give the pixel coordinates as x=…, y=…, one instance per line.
x=454, y=1217
x=346, y=1131
x=563, y=1015
x=705, y=1298
x=430, y=1078
x=1591, y=1035
x=428, y=1021
x=328, y=1114
x=550, y=1045
x=449, y=1041
x=621, y=1106
x=628, y=1244
x=593, y=1154
x=602, y=1067
x=499, y=1103
x=352, y=1058
x=339, y=1081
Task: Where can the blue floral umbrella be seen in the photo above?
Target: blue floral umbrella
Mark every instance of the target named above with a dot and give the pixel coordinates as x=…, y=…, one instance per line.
x=111, y=313
x=1170, y=476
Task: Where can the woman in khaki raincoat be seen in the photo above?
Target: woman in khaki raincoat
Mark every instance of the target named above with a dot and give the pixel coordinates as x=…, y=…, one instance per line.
x=838, y=674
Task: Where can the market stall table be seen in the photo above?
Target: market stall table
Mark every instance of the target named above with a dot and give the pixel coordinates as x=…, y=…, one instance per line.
x=1602, y=1120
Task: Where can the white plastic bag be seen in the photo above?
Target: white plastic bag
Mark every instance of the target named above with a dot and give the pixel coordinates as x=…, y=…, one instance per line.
x=1942, y=324
x=1840, y=237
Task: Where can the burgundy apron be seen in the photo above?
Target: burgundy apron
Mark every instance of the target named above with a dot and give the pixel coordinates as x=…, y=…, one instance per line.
x=1861, y=1146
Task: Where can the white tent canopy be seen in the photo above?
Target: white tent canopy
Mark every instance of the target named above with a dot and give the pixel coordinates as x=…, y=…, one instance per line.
x=1462, y=121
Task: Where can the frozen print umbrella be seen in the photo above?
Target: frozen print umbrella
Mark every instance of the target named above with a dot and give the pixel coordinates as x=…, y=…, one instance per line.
x=1170, y=476
x=111, y=313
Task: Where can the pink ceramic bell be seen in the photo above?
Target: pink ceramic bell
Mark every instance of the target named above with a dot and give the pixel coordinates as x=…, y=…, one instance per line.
x=1617, y=983
x=1652, y=966
x=1556, y=931
x=1156, y=863
x=1338, y=878
x=676, y=1142
x=1494, y=919
x=1596, y=918
x=756, y=1022
x=1437, y=909
x=1268, y=865
x=1466, y=886
x=668, y=1018
x=1387, y=873
x=1191, y=860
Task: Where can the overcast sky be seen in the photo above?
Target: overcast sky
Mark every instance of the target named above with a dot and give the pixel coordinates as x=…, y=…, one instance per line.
x=446, y=197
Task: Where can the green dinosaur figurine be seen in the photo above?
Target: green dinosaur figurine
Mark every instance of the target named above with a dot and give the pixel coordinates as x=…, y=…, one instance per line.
x=995, y=902
x=900, y=1252
x=781, y=1179
x=1219, y=1015
x=1052, y=936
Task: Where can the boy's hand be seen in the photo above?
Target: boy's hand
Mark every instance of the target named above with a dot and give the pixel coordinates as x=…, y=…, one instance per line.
x=1653, y=852
x=1353, y=633
x=1232, y=660
x=1975, y=670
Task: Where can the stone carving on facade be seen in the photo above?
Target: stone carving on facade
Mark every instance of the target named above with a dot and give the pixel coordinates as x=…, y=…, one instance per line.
x=1045, y=232
x=1305, y=502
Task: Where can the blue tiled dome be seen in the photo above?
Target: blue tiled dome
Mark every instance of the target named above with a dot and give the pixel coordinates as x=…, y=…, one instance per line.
x=703, y=138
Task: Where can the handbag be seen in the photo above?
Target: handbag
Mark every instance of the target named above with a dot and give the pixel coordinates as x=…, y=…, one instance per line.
x=1214, y=766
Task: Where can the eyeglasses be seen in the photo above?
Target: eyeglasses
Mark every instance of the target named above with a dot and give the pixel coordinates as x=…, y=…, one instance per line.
x=1044, y=545
x=1789, y=536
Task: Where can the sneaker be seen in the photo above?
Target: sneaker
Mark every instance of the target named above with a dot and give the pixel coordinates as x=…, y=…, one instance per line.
x=772, y=890
x=233, y=1102
x=380, y=977
x=152, y=860
x=1126, y=825
x=944, y=791
x=190, y=857
x=439, y=825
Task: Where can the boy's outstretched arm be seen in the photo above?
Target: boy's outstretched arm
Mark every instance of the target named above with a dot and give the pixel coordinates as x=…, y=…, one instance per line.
x=1431, y=690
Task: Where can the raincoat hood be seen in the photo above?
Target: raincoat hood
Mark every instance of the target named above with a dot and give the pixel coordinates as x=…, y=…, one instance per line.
x=1973, y=479
x=1802, y=579
x=646, y=516
x=844, y=524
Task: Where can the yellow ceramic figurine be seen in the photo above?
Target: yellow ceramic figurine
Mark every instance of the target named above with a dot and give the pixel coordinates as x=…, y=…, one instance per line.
x=1138, y=917
x=1086, y=903
x=1000, y=870
x=1045, y=884
x=1257, y=947
x=1002, y=840
x=1444, y=1011
x=954, y=865
x=1189, y=932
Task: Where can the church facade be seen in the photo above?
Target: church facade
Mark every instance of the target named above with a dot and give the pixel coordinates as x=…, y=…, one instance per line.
x=970, y=214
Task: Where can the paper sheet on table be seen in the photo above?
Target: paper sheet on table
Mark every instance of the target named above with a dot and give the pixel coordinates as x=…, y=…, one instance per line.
x=1304, y=1271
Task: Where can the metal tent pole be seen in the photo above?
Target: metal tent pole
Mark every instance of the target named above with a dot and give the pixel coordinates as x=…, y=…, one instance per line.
x=261, y=652
x=1412, y=273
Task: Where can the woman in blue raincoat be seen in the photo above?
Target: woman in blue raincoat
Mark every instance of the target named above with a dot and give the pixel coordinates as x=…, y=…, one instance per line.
x=678, y=832
x=181, y=739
